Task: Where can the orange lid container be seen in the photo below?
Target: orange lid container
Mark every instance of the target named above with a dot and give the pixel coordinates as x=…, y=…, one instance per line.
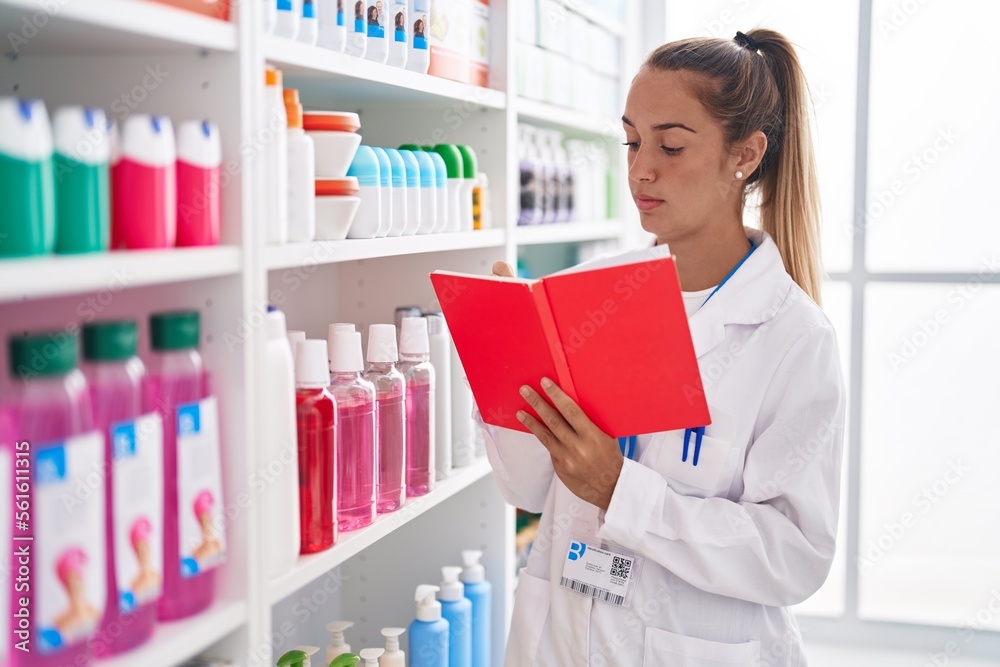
x=331, y=121
x=272, y=77
x=293, y=109
x=336, y=187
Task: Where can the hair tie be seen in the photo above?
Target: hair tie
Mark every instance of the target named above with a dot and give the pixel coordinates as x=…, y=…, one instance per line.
x=746, y=41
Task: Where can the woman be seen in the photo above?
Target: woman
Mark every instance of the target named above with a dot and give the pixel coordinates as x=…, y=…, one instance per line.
x=713, y=554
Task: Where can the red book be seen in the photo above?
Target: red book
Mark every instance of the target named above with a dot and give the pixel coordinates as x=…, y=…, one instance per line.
x=612, y=333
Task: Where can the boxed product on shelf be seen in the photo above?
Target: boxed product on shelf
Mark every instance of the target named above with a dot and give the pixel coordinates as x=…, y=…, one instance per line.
x=449, y=39
x=527, y=22
x=553, y=26
x=479, y=47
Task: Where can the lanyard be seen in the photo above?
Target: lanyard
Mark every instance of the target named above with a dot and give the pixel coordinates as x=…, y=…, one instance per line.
x=627, y=445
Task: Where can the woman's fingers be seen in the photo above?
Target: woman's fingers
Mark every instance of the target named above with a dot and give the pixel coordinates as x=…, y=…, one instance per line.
x=550, y=417
x=570, y=411
x=503, y=270
x=538, y=429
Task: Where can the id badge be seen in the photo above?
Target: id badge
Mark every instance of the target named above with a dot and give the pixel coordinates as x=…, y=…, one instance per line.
x=601, y=571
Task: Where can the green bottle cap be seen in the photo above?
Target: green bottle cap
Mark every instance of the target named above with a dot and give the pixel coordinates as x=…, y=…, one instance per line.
x=469, y=161
x=110, y=341
x=46, y=353
x=411, y=147
x=293, y=658
x=346, y=659
x=429, y=149
x=174, y=331
x=452, y=159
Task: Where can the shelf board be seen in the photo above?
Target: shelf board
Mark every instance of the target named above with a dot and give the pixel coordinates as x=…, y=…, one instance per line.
x=313, y=566
x=549, y=115
x=56, y=275
x=292, y=255
x=109, y=26
x=313, y=69
x=177, y=641
x=568, y=232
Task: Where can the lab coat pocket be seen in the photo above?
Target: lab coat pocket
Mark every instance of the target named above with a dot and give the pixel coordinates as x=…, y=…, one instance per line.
x=711, y=477
x=530, y=618
x=667, y=648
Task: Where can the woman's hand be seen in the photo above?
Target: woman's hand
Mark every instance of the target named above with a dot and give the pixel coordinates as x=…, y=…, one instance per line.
x=503, y=270
x=587, y=460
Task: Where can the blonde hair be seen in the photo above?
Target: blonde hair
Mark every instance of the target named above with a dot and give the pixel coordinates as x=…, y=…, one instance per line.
x=755, y=82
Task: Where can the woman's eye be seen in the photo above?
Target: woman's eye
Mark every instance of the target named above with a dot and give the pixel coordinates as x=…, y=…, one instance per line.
x=632, y=145
x=671, y=151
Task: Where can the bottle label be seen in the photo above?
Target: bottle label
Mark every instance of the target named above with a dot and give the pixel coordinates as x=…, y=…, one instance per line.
x=68, y=570
x=359, y=17
x=200, y=520
x=421, y=24
x=6, y=495
x=399, y=22
x=375, y=18
x=137, y=483
x=340, y=13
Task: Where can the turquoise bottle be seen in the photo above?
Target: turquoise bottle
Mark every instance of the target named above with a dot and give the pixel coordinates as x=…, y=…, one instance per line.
x=82, y=152
x=27, y=226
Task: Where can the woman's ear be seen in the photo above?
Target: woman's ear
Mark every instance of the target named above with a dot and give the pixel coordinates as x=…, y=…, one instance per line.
x=751, y=152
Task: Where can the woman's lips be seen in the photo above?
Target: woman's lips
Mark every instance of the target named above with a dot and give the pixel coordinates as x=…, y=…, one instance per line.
x=647, y=203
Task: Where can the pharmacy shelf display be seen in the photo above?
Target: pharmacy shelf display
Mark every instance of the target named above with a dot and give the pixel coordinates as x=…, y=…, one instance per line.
x=100, y=53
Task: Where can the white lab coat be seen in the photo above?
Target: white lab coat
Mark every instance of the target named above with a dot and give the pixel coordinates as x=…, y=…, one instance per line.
x=727, y=546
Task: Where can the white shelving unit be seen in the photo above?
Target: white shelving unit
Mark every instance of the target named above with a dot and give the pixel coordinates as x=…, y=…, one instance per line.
x=100, y=53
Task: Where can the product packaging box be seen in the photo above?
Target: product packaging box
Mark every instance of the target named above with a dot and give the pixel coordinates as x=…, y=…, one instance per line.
x=449, y=39
x=479, y=44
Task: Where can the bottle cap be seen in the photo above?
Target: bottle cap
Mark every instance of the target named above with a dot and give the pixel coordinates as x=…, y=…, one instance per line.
x=337, y=187
x=274, y=325
x=337, y=643
x=24, y=129
x=293, y=108
x=397, y=167
x=46, y=353
x=331, y=121
x=435, y=324
x=413, y=337
x=110, y=341
x=371, y=656
x=311, y=365
x=199, y=144
x=344, y=660
x=382, y=344
x=294, y=338
x=473, y=572
x=428, y=608
x=177, y=330
x=428, y=173
x=470, y=164
x=452, y=159
x=440, y=169
x=293, y=658
x=384, y=167
x=272, y=77
x=332, y=329
x=451, y=588
x=81, y=133
x=412, y=168
x=345, y=351
x=149, y=140
x=309, y=652
x=392, y=651
x=406, y=311
x=365, y=167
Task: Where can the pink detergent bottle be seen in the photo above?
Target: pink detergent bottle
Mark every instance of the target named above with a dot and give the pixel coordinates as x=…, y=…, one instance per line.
x=199, y=195
x=133, y=449
x=355, y=399
x=144, y=185
x=177, y=379
x=66, y=583
x=415, y=365
x=390, y=408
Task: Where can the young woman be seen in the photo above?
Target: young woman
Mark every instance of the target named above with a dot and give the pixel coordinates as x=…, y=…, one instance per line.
x=711, y=555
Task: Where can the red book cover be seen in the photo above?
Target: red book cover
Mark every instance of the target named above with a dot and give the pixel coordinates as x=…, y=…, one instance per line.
x=614, y=335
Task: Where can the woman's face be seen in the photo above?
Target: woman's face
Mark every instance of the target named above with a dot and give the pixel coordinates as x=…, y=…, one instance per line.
x=678, y=167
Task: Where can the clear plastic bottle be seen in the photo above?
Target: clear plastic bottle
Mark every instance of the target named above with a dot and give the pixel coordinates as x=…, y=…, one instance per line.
x=317, y=437
x=176, y=377
x=415, y=365
x=356, y=455
x=115, y=377
x=390, y=393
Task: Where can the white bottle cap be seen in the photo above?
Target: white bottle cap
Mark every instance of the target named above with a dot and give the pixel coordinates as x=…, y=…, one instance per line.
x=371, y=655
x=393, y=656
x=198, y=143
x=81, y=133
x=311, y=368
x=428, y=608
x=332, y=329
x=310, y=651
x=337, y=644
x=345, y=352
x=274, y=325
x=413, y=338
x=473, y=572
x=435, y=324
x=25, y=132
x=294, y=338
x=148, y=140
x=451, y=588
x=382, y=343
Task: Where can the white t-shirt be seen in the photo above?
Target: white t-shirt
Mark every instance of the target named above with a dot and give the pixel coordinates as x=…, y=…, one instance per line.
x=693, y=300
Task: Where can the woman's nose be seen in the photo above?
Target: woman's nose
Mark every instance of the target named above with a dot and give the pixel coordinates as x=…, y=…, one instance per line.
x=640, y=167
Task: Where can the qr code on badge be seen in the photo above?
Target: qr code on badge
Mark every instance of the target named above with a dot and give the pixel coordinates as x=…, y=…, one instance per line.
x=621, y=567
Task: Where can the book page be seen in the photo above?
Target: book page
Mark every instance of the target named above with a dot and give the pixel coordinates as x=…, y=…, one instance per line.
x=620, y=259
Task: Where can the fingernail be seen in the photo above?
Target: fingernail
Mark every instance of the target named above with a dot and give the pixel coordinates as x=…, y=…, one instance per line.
x=525, y=391
x=521, y=415
x=547, y=383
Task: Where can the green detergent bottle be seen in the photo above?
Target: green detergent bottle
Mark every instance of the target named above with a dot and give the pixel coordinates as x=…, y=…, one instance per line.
x=82, y=151
x=27, y=226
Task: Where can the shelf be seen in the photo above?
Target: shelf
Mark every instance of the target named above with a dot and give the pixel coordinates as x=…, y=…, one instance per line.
x=548, y=115
x=56, y=275
x=328, y=252
x=313, y=566
x=568, y=232
x=313, y=70
x=177, y=641
x=108, y=26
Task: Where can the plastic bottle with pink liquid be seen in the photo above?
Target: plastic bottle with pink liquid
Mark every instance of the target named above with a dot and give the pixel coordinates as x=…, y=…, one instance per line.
x=199, y=192
x=144, y=185
x=355, y=399
x=390, y=409
x=415, y=365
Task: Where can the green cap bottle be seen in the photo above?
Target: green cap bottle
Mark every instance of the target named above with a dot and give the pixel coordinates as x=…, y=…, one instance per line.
x=110, y=341
x=470, y=163
x=177, y=330
x=44, y=353
x=452, y=159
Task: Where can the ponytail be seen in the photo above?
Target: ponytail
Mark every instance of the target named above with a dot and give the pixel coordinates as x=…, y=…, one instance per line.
x=755, y=82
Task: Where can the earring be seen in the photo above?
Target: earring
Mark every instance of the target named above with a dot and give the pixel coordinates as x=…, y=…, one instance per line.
x=739, y=175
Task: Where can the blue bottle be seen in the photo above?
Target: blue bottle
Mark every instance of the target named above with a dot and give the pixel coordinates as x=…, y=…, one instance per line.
x=428, y=632
x=480, y=593
x=457, y=610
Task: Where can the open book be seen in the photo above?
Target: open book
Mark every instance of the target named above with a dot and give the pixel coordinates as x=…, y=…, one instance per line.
x=613, y=333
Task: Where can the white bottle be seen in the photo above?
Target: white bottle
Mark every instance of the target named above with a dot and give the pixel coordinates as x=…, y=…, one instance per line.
x=463, y=428
x=276, y=159
x=399, y=213
x=309, y=27
x=357, y=29
x=393, y=656
x=332, y=31
x=413, y=217
x=441, y=361
x=280, y=449
x=385, y=184
x=371, y=656
x=397, y=33
x=289, y=13
x=378, y=44
x=294, y=338
x=419, y=29
x=301, y=174
x=270, y=15
x=367, y=221
x=337, y=644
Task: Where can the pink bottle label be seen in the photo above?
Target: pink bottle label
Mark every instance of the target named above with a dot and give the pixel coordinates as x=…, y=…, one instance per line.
x=144, y=206
x=199, y=205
